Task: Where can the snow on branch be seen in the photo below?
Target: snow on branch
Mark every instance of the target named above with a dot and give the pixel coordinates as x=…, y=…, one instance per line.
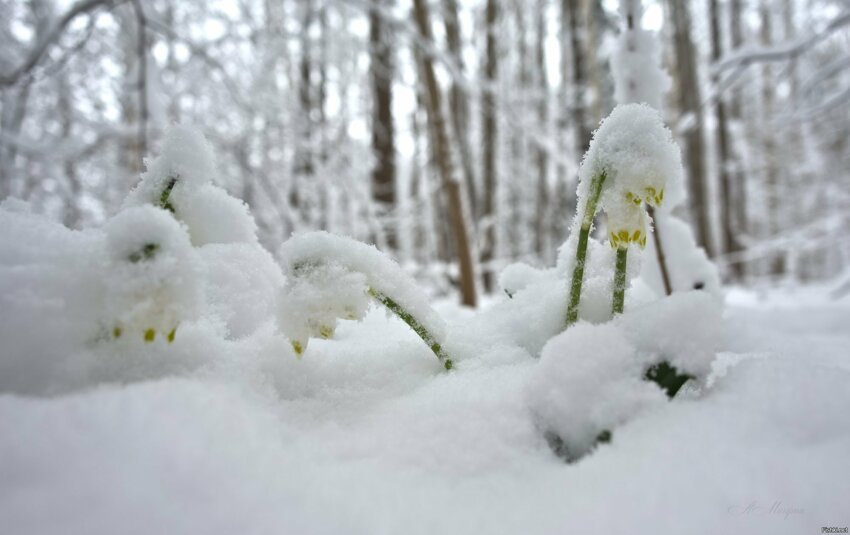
x=748, y=55
x=35, y=55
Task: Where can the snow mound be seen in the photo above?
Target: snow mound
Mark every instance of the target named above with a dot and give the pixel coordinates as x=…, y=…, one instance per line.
x=588, y=381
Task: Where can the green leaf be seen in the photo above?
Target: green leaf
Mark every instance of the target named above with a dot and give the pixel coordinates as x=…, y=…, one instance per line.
x=667, y=377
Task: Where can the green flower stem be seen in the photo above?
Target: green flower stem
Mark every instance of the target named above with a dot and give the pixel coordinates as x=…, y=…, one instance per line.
x=581, y=250
x=164, y=203
x=414, y=324
x=620, y=280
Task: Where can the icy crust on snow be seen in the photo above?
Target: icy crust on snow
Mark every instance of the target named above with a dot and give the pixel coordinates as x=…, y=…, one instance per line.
x=339, y=272
x=589, y=380
x=152, y=280
x=183, y=174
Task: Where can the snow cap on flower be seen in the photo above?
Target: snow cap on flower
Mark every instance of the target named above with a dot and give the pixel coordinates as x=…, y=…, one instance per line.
x=637, y=155
x=181, y=180
x=315, y=296
x=186, y=161
x=153, y=281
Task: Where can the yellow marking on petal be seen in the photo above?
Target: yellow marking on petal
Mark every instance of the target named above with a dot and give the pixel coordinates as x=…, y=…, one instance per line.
x=116, y=332
x=172, y=334
x=326, y=331
x=643, y=242
x=298, y=348
x=636, y=236
x=150, y=334
x=623, y=235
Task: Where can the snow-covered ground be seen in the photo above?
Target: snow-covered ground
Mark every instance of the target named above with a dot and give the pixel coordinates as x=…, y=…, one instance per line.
x=368, y=434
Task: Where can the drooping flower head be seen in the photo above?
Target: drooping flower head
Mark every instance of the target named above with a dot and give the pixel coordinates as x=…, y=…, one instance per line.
x=637, y=155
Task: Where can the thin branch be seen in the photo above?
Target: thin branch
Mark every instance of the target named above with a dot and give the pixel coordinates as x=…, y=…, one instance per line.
x=747, y=56
x=35, y=55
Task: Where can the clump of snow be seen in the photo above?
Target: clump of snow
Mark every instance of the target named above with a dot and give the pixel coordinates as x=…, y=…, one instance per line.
x=588, y=381
x=185, y=157
x=50, y=298
x=214, y=216
x=242, y=285
x=381, y=276
x=518, y=276
x=688, y=266
x=684, y=329
x=181, y=179
x=636, y=62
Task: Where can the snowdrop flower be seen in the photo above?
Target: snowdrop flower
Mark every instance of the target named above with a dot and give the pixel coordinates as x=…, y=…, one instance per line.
x=332, y=277
x=628, y=163
x=627, y=225
x=152, y=278
x=315, y=296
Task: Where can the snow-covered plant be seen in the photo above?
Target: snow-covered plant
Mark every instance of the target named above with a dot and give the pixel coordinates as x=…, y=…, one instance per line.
x=626, y=167
x=180, y=180
x=332, y=277
x=152, y=277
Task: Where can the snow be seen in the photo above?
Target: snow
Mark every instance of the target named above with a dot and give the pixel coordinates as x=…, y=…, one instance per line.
x=366, y=437
x=578, y=397
x=148, y=381
x=636, y=64
x=185, y=170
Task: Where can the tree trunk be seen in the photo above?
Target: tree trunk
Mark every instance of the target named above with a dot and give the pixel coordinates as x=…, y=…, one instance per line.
x=690, y=106
x=730, y=241
x=383, y=144
x=738, y=177
x=541, y=244
x=443, y=156
x=571, y=17
x=771, y=172
x=489, y=136
x=459, y=105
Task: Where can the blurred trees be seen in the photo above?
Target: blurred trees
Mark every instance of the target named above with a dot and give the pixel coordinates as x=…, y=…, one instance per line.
x=323, y=114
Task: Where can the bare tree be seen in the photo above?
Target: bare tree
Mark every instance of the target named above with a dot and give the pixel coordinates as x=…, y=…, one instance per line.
x=489, y=135
x=730, y=241
x=690, y=106
x=383, y=130
x=443, y=157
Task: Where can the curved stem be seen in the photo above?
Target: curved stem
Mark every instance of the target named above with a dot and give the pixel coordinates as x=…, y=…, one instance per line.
x=581, y=250
x=414, y=324
x=620, y=280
